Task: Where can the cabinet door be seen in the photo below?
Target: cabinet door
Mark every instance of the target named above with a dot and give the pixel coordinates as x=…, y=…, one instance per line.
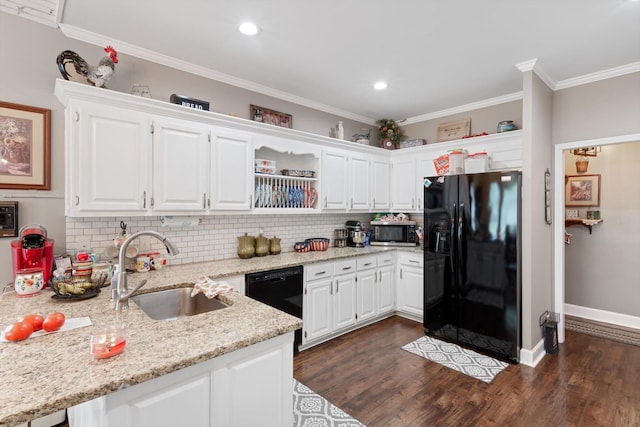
x=108, y=156
x=411, y=288
x=231, y=170
x=317, y=309
x=344, y=301
x=255, y=390
x=366, y=292
x=403, y=185
x=381, y=184
x=158, y=408
x=334, y=180
x=386, y=290
x=360, y=181
x=180, y=166
x=425, y=168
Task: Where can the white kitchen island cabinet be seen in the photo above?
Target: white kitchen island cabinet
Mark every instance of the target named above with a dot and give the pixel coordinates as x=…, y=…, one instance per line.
x=252, y=386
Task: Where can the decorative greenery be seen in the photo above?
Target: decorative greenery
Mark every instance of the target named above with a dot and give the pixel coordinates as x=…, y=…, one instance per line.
x=389, y=129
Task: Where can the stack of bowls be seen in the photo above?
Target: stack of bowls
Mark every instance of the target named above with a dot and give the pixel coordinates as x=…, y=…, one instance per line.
x=82, y=270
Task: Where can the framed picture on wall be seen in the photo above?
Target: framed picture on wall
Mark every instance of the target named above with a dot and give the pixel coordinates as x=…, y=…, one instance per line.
x=582, y=190
x=25, y=147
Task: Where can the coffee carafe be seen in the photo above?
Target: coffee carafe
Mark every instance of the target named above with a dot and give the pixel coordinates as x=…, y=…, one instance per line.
x=33, y=251
x=355, y=234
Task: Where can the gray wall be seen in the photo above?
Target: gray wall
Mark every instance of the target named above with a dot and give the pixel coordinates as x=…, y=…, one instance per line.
x=536, y=233
x=600, y=268
x=482, y=120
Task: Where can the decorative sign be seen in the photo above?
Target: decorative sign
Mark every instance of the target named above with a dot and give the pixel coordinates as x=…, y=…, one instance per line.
x=454, y=130
x=189, y=102
x=272, y=117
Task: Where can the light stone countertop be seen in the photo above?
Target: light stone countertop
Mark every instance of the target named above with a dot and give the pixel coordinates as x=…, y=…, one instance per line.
x=44, y=374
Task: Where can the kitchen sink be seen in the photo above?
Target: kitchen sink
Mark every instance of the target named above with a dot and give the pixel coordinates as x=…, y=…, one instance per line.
x=174, y=303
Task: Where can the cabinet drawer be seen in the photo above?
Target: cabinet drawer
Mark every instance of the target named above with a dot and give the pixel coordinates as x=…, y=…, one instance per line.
x=366, y=262
x=414, y=260
x=318, y=271
x=385, y=259
x=343, y=267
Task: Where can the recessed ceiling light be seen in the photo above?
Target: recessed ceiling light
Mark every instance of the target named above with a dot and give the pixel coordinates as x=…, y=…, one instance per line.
x=380, y=85
x=249, y=28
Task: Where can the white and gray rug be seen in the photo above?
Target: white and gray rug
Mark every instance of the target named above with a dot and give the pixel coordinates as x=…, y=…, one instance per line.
x=312, y=410
x=468, y=362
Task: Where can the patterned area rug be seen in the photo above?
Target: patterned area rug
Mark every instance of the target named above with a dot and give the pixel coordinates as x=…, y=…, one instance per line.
x=312, y=410
x=476, y=365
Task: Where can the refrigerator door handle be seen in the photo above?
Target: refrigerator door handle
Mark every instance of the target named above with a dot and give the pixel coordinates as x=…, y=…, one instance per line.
x=460, y=217
x=454, y=216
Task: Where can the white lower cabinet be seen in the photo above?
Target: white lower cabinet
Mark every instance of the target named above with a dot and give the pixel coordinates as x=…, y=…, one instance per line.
x=386, y=292
x=366, y=280
x=344, y=295
x=214, y=393
x=410, y=286
x=329, y=300
x=344, y=300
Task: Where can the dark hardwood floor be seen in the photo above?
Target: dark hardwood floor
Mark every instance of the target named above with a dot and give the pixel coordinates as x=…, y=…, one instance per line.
x=591, y=381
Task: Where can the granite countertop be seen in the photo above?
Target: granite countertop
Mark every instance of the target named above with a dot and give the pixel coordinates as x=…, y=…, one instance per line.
x=44, y=374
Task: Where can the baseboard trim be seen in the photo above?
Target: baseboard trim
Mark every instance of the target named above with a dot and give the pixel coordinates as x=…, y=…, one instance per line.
x=596, y=315
x=534, y=356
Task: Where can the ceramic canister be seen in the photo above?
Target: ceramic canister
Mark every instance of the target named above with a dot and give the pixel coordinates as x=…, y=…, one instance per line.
x=29, y=282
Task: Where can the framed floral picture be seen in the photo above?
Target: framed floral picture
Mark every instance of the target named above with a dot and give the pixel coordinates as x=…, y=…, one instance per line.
x=25, y=147
x=582, y=190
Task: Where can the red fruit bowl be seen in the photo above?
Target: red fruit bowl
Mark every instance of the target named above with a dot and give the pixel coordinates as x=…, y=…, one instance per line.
x=318, y=244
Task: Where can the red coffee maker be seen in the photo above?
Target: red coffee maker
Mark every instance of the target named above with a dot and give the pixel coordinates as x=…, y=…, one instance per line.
x=33, y=251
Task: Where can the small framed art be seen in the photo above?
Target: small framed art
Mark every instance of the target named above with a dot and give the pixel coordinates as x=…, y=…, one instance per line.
x=582, y=190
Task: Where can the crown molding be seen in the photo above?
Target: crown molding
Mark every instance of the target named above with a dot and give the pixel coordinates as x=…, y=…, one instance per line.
x=534, y=65
x=158, y=58
x=464, y=108
x=600, y=75
x=155, y=57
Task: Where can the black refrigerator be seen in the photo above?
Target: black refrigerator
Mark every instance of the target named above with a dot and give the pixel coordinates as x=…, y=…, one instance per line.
x=472, y=277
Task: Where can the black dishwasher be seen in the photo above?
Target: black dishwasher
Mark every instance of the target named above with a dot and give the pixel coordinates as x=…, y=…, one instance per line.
x=281, y=289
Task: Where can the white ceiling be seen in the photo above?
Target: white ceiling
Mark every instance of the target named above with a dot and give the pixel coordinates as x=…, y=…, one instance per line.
x=435, y=54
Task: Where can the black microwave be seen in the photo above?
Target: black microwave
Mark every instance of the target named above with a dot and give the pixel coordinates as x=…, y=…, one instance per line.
x=394, y=233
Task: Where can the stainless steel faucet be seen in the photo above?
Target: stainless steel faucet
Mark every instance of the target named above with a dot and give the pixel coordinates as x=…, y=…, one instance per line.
x=122, y=290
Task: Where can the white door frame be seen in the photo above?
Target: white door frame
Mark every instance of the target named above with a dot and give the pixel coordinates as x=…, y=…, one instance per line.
x=558, y=214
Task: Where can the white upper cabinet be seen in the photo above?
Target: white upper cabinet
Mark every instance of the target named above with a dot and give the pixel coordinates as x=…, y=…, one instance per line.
x=360, y=182
x=203, y=162
x=403, y=184
x=381, y=183
x=180, y=166
x=108, y=160
x=231, y=170
x=335, y=176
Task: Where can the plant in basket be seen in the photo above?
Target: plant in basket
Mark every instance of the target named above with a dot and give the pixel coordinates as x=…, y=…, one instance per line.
x=390, y=133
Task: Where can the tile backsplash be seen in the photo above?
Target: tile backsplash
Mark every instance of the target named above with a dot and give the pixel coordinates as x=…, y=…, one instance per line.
x=214, y=238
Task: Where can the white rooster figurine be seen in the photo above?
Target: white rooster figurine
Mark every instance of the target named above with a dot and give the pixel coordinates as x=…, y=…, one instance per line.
x=98, y=75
